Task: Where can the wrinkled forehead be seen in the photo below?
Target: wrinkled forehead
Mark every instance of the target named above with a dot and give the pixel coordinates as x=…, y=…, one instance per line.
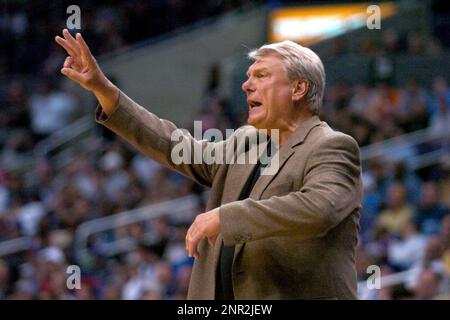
x=271, y=61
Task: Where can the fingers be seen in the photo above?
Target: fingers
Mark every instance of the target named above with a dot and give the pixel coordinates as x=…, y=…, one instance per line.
x=71, y=41
x=206, y=225
x=72, y=74
x=193, y=248
x=84, y=48
x=192, y=241
x=63, y=43
x=77, y=48
x=73, y=63
x=68, y=62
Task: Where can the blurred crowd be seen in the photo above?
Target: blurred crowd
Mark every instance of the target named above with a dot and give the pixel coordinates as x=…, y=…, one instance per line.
x=48, y=210
x=405, y=220
x=34, y=105
x=391, y=42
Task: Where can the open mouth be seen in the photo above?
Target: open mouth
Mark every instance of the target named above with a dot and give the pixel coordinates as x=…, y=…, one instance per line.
x=253, y=104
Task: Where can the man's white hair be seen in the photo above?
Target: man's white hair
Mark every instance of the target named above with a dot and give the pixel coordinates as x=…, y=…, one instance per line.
x=301, y=64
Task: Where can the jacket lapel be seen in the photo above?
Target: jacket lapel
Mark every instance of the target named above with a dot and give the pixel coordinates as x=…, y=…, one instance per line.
x=235, y=181
x=237, y=176
x=283, y=154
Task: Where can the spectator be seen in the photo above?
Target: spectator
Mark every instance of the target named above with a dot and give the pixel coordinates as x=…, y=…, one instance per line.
x=50, y=110
x=30, y=215
x=428, y=285
x=407, y=250
x=431, y=259
x=440, y=96
x=401, y=174
x=398, y=213
x=445, y=231
x=4, y=279
x=430, y=210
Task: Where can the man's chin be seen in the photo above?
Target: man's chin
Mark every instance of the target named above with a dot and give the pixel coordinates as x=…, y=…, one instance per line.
x=254, y=122
x=260, y=125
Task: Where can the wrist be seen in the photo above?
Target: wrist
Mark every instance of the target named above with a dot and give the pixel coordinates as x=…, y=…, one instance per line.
x=108, y=95
x=104, y=88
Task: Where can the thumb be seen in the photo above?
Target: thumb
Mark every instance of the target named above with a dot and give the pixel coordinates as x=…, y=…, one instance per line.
x=72, y=74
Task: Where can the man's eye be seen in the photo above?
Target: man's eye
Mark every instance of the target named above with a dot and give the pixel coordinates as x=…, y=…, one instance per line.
x=260, y=75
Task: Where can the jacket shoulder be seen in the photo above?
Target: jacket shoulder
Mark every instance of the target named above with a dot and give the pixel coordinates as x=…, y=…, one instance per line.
x=324, y=136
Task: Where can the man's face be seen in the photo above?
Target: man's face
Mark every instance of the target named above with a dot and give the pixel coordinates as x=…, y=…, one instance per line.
x=269, y=93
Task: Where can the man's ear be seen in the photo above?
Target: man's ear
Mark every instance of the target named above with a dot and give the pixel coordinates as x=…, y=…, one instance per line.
x=299, y=90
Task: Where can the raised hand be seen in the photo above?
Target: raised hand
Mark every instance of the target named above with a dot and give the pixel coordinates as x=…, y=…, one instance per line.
x=81, y=67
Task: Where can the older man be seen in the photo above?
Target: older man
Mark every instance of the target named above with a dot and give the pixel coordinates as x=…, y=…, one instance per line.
x=288, y=235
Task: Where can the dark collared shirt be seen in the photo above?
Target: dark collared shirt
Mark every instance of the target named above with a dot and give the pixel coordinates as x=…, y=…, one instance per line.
x=224, y=283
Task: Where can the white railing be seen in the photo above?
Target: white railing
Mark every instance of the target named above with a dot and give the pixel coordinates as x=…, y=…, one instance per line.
x=387, y=281
x=404, y=147
x=181, y=209
x=15, y=245
x=65, y=135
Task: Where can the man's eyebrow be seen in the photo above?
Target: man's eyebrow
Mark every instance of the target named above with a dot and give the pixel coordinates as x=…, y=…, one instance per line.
x=257, y=70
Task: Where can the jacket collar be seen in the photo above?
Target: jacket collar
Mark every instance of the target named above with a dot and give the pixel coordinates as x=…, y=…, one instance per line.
x=300, y=134
x=239, y=174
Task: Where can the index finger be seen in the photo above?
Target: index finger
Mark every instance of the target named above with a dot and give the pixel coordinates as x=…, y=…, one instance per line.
x=63, y=43
x=71, y=41
x=194, y=251
x=193, y=246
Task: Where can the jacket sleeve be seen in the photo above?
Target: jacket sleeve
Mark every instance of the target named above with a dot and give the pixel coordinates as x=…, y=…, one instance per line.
x=159, y=139
x=331, y=191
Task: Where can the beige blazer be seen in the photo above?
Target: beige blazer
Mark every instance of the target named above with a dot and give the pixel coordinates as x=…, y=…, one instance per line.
x=295, y=235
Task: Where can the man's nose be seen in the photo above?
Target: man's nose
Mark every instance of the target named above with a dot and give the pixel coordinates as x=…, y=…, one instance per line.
x=247, y=86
